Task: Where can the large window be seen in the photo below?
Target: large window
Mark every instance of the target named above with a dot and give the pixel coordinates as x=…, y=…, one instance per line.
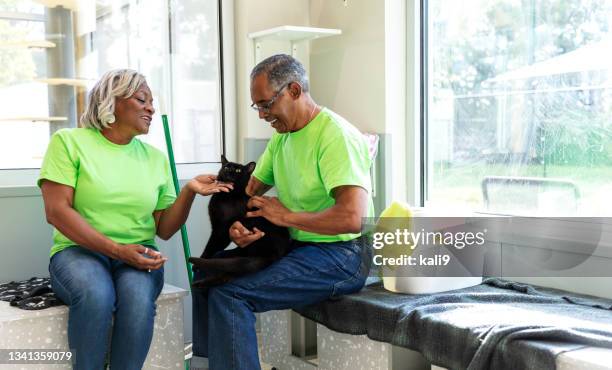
x=519, y=105
x=51, y=55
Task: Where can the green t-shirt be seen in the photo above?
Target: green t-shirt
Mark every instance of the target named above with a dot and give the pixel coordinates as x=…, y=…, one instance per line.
x=116, y=187
x=306, y=165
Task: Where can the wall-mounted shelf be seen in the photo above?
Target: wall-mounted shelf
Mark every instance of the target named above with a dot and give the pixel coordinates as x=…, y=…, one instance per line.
x=80, y=82
x=27, y=44
x=35, y=119
x=292, y=34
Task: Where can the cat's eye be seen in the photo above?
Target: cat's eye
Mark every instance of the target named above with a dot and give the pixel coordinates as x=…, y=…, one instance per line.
x=239, y=170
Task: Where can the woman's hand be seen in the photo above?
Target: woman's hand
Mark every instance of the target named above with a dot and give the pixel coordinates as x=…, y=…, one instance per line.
x=243, y=236
x=169, y=220
x=208, y=184
x=134, y=255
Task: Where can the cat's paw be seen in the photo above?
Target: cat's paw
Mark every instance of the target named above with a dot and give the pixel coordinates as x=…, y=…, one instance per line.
x=211, y=281
x=199, y=284
x=197, y=262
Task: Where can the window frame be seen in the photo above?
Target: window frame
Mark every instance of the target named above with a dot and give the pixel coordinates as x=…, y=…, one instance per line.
x=423, y=106
x=409, y=166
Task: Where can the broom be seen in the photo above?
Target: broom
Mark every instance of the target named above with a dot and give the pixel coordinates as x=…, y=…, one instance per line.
x=184, y=237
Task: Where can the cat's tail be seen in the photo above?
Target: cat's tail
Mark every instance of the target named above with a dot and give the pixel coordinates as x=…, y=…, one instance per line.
x=234, y=265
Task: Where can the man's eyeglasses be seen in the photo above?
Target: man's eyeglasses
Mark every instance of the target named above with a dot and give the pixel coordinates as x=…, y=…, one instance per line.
x=266, y=106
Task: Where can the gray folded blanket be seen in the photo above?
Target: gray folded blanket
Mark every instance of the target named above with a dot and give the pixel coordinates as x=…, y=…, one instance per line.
x=495, y=325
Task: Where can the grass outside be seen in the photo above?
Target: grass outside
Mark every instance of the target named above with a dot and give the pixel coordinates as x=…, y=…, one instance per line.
x=461, y=185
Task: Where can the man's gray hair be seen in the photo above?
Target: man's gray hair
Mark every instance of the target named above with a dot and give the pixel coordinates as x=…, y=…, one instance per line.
x=280, y=70
x=100, y=108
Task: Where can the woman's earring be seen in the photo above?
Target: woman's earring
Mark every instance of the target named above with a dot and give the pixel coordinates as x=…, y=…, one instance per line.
x=110, y=118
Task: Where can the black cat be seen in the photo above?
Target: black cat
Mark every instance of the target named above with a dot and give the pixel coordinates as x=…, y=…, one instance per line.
x=224, y=209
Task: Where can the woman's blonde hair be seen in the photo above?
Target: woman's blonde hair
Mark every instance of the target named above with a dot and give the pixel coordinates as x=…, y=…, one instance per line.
x=100, y=107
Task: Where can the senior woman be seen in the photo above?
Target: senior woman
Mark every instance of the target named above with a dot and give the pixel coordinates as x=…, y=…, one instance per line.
x=108, y=194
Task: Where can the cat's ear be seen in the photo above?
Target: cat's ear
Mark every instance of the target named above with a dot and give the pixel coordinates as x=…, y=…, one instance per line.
x=250, y=167
x=223, y=160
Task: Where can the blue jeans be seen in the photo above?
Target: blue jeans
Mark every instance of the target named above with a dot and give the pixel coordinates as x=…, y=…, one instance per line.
x=96, y=287
x=223, y=316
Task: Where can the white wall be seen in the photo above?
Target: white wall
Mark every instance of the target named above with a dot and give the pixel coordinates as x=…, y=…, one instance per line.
x=252, y=16
x=360, y=74
x=26, y=236
x=348, y=71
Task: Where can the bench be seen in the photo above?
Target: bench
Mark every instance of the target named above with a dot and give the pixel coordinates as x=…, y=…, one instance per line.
x=342, y=351
x=47, y=329
x=335, y=351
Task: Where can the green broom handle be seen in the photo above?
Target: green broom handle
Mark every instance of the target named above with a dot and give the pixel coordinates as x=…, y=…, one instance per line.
x=184, y=237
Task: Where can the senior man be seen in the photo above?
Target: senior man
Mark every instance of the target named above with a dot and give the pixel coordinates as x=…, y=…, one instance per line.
x=319, y=164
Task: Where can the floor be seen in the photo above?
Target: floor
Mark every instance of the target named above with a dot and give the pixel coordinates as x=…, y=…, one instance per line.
x=264, y=366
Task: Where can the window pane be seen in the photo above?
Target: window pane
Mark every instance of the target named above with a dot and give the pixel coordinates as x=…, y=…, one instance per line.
x=21, y=6
x=520, y=105
x=196, y=90
x=22, y=141
x=134, y=34
x=85, y=39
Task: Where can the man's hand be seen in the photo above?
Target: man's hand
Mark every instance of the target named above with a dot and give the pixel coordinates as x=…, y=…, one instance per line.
x=268, y=207
x=243, y=236
x=208, y=184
